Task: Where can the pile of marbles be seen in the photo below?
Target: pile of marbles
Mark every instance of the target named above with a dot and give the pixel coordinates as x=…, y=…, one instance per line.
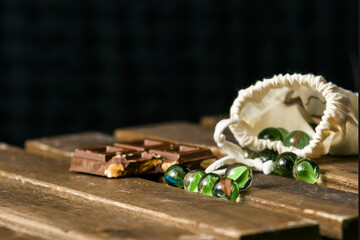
x=287, y=164
x=298, y=139
x=237, y=178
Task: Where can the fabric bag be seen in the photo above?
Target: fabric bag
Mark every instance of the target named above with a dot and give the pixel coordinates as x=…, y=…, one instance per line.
x=293, y=102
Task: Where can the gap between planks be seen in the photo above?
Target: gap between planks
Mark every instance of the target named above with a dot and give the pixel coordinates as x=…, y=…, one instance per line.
x=26, y=207
x=332, y=208
x=146, y=203
x=332, y=223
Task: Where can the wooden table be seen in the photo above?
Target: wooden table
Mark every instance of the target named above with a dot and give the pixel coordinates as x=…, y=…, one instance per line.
x=40, y=198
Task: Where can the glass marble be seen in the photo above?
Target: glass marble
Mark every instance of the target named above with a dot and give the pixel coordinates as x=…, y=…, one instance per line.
x=175, y=174
x=298, y=139
x=284, y=163
x=241, y=174
x=306, y=170
x=207, y=182
x=267, y=155
x=192, y=179
x=273, y=134
x=249, y=153
x=283, y=132
x=226, y=188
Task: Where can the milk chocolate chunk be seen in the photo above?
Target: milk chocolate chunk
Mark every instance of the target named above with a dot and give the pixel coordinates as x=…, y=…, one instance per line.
x=143, y=156
x=190, y=156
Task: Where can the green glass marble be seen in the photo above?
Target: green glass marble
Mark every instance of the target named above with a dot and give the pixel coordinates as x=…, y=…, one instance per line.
x=306, y=170
x=175, y=174
x=298, y=139
x=283, y=132
x=226, y=188
x=249, y=153
x=273, y=134
x=267, y=155
x=241, y=174
x=192, y=179
x=207, y=182
x=284, y=164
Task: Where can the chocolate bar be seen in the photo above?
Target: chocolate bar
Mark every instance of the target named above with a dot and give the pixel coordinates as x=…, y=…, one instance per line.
x=143, y=156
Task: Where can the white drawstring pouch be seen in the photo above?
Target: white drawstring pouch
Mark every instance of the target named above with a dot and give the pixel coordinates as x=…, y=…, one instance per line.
x=293, y=102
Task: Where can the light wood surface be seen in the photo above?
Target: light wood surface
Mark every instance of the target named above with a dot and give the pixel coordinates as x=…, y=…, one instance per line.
x=210, y=121
x=182, y=132
x=160, y=204
x=340, y=172
x=40, y=212
x=336, y=211
x=8, y=234
x=63, y=146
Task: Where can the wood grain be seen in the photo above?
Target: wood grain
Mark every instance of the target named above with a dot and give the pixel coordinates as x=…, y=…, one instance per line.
x=8, y=234
x=182, y=132
x=160, y=203
x=44, y=214
x=340, y=172
x=336, y=211
x=63, y=146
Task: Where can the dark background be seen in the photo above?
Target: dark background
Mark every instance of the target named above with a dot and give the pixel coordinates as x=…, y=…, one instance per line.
x=69, y=66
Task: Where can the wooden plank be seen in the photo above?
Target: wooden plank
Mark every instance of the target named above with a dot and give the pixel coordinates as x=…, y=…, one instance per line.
x=339, y=173
x=210, y=121
x=31, y=209
x=168, y=205
x=176, y=131
x=335, y=210
x=182, y=132
x=63, y=146
x=8, y=234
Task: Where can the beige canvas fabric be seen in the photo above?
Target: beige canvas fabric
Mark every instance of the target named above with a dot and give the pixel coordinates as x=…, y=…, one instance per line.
x=293, y=102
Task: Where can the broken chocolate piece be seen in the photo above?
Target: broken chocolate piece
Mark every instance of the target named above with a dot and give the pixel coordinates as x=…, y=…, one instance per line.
x=138, y=157
x=190, y=156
